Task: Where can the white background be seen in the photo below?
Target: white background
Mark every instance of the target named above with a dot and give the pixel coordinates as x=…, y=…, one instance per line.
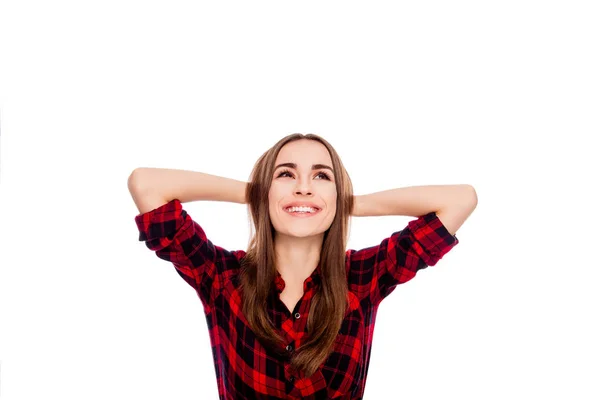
x=504, y=96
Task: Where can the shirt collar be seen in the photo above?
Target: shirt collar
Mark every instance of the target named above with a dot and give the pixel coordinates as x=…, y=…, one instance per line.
x=309, y=282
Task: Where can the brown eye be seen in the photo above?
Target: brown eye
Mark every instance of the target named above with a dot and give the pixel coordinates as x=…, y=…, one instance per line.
x=289, y=173
x=324, y=175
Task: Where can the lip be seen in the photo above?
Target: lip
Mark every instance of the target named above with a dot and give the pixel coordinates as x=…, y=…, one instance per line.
x=301, y=215
x=300, y=204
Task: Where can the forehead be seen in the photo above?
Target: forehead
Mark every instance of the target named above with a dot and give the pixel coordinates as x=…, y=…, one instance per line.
x=304, y=152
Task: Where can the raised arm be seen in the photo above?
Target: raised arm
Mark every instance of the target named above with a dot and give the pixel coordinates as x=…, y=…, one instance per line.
x=453, y=204
x=441, y=209
x=169, y=231
x=152, y=187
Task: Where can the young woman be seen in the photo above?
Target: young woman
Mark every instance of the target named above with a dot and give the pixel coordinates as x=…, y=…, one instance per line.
x=293, y=315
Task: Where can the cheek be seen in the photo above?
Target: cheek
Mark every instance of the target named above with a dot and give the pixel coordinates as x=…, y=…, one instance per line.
x=272, y=210
x=272, y=199
x=332, y=199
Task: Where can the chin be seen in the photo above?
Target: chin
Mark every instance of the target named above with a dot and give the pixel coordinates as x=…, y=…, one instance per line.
x=301, y=234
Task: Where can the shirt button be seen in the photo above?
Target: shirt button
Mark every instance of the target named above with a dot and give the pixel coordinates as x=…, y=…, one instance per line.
x=289, y=347
x=291, y=379
x=297, y=315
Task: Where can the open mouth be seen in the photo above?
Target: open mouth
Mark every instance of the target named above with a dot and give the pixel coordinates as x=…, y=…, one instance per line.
x=302, y=211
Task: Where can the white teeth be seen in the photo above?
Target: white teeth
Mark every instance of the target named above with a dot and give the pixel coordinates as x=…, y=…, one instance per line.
x=301, y=209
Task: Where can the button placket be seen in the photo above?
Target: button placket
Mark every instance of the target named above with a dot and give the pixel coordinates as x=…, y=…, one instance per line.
x=289, y=373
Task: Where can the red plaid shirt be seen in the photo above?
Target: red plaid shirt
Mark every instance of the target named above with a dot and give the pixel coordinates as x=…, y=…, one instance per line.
x=244, y=368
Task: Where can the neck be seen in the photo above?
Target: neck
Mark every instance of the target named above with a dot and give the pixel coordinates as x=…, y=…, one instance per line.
x=297, y=258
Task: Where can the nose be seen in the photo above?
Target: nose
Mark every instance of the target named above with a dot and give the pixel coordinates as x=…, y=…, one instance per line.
x=303, y=186
x=304, y=192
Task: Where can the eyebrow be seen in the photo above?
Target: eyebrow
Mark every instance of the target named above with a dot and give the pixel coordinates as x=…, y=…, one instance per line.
x=314, y=166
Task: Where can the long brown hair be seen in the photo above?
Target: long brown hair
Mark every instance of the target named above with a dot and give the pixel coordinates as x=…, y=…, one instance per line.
x=258, y=270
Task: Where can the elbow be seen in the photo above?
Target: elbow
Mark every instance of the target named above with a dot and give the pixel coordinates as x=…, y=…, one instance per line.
x=134, y=181
x=474, y=198
x=471, y=196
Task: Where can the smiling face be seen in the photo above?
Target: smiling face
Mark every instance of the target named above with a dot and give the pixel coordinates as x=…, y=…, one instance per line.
x=306, y=177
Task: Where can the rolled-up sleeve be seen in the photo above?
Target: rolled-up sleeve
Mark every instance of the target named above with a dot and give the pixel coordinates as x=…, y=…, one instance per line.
x=376, y=271
x=174, y=236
